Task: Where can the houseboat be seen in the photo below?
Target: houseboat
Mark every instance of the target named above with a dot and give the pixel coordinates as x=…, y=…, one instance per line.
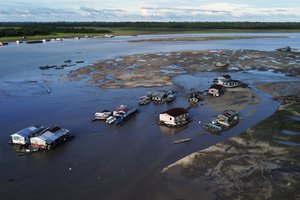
x=216, y=90
x=174, y=117
x=224, y=120
x=194, y=98
x=284, y=49
x=161, y=96
x=49, y=138
x=22, y=137
x=170, y=97
x=227, y=82
x=121, y=114
x=102, y=115
x=144, y=100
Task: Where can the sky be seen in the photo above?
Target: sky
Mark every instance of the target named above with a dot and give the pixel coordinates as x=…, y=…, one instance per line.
x=149, y=10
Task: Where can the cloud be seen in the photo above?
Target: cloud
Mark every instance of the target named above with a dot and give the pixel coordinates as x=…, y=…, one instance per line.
x=142, y=11
x=184, y=10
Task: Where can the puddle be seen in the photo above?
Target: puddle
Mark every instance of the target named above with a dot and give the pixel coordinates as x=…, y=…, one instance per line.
x=171, y=67
x=233, y=68
x=287, y=132
x=132, y=67
x=295, y=118
x=165, y=71
x=292, y=144
x=276, y=62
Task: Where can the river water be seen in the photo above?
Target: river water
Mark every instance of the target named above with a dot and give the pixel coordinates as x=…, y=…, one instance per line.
x=105, y=162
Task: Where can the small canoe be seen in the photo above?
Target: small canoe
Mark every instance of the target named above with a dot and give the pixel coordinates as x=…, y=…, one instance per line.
x=183, y=140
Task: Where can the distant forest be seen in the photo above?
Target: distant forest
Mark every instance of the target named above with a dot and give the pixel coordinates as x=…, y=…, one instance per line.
x=39, y=29
x=45, y=28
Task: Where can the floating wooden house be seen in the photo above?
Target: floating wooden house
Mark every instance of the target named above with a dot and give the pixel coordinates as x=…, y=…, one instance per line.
x=194, y=98
x=49, y=138
x=159, y=96
x=174, y=117
x=216, y=90
x=227, y=117
x=227, y=82
x=224, y=120
x=102, y=115
x=23, y=136
x=162, y=96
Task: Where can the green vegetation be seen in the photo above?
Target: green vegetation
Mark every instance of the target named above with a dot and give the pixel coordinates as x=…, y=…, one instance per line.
x=51, y=36
x=45, y=30
x=10, y=31
x=280, y=121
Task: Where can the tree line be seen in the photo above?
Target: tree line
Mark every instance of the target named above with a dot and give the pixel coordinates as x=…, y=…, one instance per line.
x=44, y=30
x=188, y=25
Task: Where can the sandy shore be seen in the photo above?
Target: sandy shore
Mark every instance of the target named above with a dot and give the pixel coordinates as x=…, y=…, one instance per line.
x=155, y=70
x=261, y=163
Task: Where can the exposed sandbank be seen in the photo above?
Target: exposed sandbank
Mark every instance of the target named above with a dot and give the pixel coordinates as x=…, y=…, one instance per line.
x=204, y=38
x=155, y=70
x=261, y=163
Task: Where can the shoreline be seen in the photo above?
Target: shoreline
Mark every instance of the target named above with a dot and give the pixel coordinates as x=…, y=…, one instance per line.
x=259, y=161
x=137, y=32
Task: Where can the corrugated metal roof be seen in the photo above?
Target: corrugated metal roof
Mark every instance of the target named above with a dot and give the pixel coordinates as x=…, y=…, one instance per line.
x=61, y=132
x=48, y=137
x=27, y=131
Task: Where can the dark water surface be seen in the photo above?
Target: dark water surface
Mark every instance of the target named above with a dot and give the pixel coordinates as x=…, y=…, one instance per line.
x=104, y=162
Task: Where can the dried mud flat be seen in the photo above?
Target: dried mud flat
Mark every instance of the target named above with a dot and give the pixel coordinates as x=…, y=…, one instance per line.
x=261, y=163
x=156, y=70
x=234, y=99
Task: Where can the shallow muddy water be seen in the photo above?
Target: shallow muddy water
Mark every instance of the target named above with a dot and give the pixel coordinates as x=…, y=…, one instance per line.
x=102, y=162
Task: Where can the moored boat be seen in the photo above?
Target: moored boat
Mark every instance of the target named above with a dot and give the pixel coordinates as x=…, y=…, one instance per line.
x=102, y=115
x=111, y=119
x=183, y=140
x=3, y=43
x=225, y=120
x=144, y=100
